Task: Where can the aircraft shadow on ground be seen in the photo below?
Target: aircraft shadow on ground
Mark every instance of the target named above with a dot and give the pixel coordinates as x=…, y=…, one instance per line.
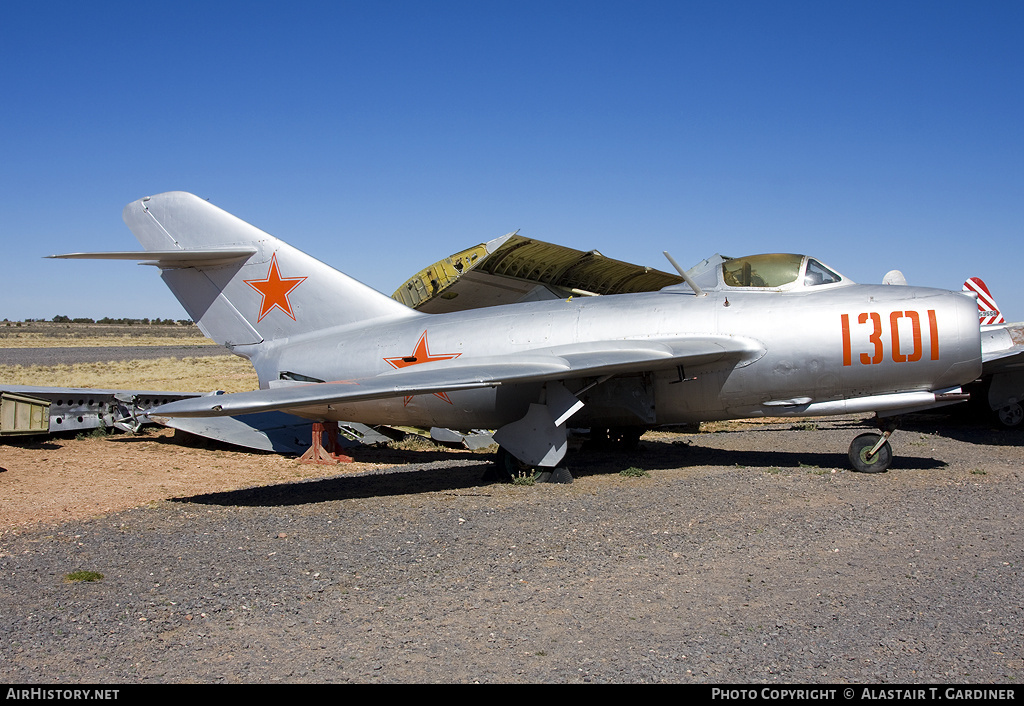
x=694, y=455
x=33, y=443
x=415, y=480
x=972, y=432
x=476, y=473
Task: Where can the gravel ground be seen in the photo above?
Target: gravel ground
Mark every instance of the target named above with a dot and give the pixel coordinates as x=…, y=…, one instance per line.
x=743, y=556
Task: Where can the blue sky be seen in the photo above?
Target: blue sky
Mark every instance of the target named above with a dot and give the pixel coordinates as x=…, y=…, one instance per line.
x=382, y=136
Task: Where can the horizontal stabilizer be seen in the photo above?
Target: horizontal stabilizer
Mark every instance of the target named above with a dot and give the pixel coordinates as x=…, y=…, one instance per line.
x=169, y=258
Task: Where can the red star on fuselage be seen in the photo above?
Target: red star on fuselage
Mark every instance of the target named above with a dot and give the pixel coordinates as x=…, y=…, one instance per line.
x=421, y=354
x=275, y=290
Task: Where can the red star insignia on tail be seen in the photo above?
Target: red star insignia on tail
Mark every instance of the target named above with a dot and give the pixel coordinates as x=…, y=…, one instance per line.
x=275, y=290
x=421, y=354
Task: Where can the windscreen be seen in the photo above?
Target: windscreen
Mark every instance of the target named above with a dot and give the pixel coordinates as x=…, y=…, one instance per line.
x=776, y=270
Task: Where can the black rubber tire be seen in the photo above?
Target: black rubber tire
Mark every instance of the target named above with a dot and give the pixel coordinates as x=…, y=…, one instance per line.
x=859, y=447
x=1010, y=416
x=507, y=467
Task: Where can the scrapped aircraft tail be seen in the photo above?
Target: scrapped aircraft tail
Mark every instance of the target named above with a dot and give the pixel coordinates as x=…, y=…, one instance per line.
x=243, y=286
x=988, y=310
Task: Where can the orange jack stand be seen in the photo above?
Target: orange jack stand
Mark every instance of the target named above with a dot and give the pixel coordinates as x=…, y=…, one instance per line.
x=318, y=453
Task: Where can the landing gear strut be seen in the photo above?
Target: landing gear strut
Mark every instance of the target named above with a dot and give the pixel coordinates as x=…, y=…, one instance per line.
x=870, y=452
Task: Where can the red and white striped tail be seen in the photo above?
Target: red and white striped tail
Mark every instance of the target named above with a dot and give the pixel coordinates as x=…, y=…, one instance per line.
x=988, y=310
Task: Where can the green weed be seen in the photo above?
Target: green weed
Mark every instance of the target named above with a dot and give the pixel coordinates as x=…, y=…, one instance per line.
x=76, y=576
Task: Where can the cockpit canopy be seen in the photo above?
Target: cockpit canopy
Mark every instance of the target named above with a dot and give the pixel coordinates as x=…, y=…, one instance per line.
x=777, y=271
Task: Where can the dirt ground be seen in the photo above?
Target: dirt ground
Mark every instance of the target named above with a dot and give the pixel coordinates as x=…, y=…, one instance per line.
x=45, y=481
x=52, y=480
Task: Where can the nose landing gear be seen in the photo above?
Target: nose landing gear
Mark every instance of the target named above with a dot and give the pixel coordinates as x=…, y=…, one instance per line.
x=870, y=452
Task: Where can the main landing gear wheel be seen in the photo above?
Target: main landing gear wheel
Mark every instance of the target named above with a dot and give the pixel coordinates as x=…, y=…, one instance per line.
x=862, y=460
x=1011, y=415
x=507, y=467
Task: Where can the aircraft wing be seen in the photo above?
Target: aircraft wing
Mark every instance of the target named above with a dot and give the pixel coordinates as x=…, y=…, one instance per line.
x=558, y=363
x=1002, y=347
x=514, y=268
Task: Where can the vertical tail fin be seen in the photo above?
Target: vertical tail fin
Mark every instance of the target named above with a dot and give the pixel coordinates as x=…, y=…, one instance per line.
x=988, y=310
x=243, y=286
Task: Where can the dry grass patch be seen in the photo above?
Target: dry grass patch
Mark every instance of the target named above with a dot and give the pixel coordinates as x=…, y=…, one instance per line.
x=226, y=372
x=47, y=334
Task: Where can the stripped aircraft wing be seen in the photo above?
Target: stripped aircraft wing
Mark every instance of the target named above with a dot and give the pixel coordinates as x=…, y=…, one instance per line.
x=558, y=363
x=1002, y=347
x=514, y=268
x=1002, y=377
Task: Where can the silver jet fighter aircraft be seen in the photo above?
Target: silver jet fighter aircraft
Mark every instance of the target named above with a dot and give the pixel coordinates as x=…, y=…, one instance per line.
x=770, y=335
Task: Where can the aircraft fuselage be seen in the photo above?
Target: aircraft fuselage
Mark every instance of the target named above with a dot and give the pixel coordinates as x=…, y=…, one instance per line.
x=810, y=350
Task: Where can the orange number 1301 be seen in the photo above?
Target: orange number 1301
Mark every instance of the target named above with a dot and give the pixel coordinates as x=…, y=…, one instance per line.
x=911, y=319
